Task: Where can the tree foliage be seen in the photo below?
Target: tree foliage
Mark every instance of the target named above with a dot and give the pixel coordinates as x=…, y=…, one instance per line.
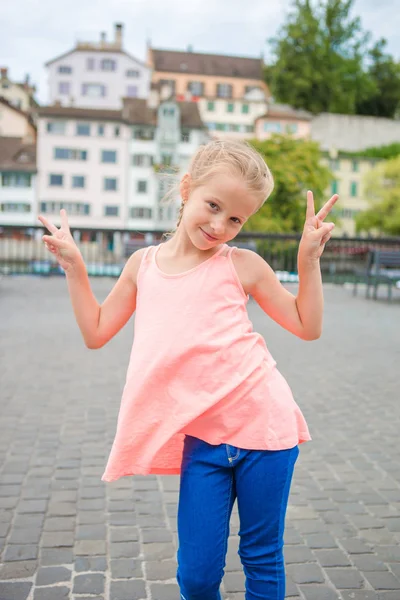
x=382, y=191
x=320, y=58
x=296, y=167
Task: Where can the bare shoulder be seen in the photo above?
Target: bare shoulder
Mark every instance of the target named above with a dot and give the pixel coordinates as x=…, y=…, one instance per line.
x=133, y=263
x=250, y=267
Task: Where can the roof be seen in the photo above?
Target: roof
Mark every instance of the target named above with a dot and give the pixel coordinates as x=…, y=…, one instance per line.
x=93, y=48
x=27, y=116
x=15, y=155
x=352, y=133
x=197, y=63
x=137, y=111
x=80, y=113
x=286, y=111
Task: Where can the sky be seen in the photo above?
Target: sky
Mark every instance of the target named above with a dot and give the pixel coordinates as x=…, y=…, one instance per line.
x=34, y=33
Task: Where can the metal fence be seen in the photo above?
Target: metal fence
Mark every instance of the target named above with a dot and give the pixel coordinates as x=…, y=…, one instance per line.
x=106, y=251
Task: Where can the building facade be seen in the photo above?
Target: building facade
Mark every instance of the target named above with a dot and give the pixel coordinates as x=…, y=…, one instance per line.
x=20, y=95
x=97, y=75
x=18, y=193
x=14, y=122
x=230, y=90
x=111, y=169
x=283, y=119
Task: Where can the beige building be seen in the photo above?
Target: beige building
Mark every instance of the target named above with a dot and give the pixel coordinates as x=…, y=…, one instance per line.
x=14, y=122
x=283, y=119
x=19, y=95
x=230, y=90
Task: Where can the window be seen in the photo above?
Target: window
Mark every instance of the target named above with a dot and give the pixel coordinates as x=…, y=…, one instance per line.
x=56, y=180
x=230, y=107
x=108, y=156
x=93, y=90
x=111, y=211
x=56, y=127
x=132, y=91
x=15, y=207
x=353, y=189
x=100, y=130
x=249, y=128
x=196, y=88
x=250, y=88
x=143, y=134
x=16, y=180
x=64, y=87
x=78, y=181
x=245, y=109
x=354, y=166
x=291, y=127
x=132, y=73
x=69, y=154
x=90, y=64
x=107, y=64
x=334, y=164
x=224, y=90
x=82, y=129
x=211, y=126
x=168, y=111
x=141, y=187
x=272, y=126
x=210, y=106
x=139, y=212
x=185, y=136
x=73, y=208
x=142, y=160
x=335, y=187
x=117, y=131
x=67, y=70
x=110, y=184
x=168, y=82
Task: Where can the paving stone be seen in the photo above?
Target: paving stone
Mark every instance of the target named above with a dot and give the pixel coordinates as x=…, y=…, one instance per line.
x=319, y=592
x=56, y=556
x=57, y=539
x=127, y=568
x=332, y=558
x=156, y=535
x=306, y=573
x=15, y=590
x=124, y=534
x=368, y=562
x=90, y=583
x=161, y=570
x=382, y=581
x=51, y=593
x=91, y=532
x=124, y=549
x=134, y=590
x=49, y=575
x=298, y=554
x=32, y=506
x=89, y=547
x=158, y=551
x=20, y=552
x=354, y=546
x=25, y=536
x=320, y=540
x=234, y=582
x=345, y=578
x=360, y=595
x=164, y=591
x=18, y=569
x=90, y=563
x=59, y=524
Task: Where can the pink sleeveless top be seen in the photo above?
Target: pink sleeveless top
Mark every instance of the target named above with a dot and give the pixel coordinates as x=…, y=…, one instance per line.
x=198, y=368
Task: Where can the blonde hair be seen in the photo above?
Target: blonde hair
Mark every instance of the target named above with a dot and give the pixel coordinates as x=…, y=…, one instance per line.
x=234, y=156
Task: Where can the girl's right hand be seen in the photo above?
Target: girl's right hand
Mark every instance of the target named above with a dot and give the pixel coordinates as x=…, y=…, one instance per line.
x=61, y=243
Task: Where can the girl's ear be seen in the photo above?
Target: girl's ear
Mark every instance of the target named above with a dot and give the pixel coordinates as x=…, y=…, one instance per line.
x=184, y=187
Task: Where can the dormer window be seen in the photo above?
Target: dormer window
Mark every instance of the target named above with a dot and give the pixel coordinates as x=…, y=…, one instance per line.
x=107, y=64
x=66, y=69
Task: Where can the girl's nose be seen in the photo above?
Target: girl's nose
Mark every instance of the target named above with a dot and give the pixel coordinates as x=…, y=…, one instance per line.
x=217, y=227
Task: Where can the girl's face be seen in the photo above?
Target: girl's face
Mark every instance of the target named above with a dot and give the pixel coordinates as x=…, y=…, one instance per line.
x=215, y=213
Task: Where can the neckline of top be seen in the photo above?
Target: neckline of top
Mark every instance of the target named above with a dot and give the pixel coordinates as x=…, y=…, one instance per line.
x=183, y=272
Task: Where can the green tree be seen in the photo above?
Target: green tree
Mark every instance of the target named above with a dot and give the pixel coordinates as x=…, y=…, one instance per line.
x=318, y=58
x=296, y=167
x=384, y=71
x=382, y=191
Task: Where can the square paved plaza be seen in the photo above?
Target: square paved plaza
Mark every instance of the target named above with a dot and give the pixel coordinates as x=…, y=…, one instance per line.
x=66, y=535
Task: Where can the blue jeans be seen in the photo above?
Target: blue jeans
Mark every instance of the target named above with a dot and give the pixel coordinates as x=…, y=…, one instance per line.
x=212, y=478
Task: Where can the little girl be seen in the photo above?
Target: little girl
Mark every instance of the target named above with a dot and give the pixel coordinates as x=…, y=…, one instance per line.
x=203, y=397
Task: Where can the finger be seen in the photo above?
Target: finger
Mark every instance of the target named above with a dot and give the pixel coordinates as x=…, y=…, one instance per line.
x=52, y=228
x=310, y=213
x=326, y=238
x=325, y=210
x=64, y=219
x=53, y=241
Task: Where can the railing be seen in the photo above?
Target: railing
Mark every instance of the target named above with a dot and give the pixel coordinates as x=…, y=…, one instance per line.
x=105, y=251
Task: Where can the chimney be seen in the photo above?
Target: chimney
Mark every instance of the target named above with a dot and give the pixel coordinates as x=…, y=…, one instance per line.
x=118, y=35
x=102, y=39
x=4, y=72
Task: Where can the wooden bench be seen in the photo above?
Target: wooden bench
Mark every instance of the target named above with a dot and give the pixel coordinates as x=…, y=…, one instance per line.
x=383, y=266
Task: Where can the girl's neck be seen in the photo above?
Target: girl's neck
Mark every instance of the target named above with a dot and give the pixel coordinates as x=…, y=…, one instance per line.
x=180, y=245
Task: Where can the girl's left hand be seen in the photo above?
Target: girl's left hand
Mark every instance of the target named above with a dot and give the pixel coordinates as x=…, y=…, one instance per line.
x=316, y=233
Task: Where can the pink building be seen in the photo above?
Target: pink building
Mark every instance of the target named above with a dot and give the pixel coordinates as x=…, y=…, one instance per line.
x=282, y=118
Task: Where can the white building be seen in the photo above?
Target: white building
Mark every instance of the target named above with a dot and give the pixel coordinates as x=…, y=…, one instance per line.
x=17, y=182
x=108, y=168
x=97, y=75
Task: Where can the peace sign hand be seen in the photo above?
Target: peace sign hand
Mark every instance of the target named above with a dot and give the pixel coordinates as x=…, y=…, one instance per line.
x=316, y=233
x=61, y=243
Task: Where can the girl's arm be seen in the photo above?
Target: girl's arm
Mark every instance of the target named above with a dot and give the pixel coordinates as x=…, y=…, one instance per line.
x=98, y=322
x=301, y=314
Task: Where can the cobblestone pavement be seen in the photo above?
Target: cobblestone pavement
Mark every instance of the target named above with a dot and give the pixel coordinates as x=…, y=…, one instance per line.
x=64, y=534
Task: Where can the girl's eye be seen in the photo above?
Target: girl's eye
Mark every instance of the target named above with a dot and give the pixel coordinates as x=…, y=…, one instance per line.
x=212, y=204
x=234, y=219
